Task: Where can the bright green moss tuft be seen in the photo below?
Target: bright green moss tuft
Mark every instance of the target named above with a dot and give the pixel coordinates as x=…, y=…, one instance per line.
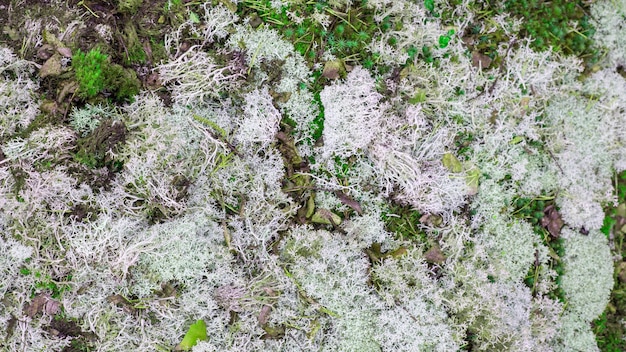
x=88, y=68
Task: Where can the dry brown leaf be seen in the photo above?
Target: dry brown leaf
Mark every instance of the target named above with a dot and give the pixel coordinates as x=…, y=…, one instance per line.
x=480, y=60
x=434, y=255
x=264, y=315
x=347, y=200
x=552, y=221
x=42, y=303
x=66, y=52
x=52, y=67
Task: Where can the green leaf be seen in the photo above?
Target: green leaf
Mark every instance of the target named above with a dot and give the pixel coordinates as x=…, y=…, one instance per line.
x=197, y=332
x=451, y=163
x=324, y=216
x=430, y=5
x=516, y=140
x=211, y=124
x=607, y=226
x=193, y=17
x=419, y=97
x=472, y=178
x=443, y=41
x=229, y=5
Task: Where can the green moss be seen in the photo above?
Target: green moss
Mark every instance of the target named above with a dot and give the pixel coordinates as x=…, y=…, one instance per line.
x=123, y=82
x=93, y=149
x=95, y=73
x=608, y=328
x=404, y=223
x=134, y=52
x=553, y=24
x=347, y=37
x=88, y=70
x=560, y=25
x=129, y=6
x=136, y=55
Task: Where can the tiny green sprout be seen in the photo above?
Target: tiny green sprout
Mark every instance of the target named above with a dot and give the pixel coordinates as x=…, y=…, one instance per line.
x=386, y=25
x=368, y=63
x=540, y=205
x=351, y=44
x=411, y=51
x=340, y=29
x=300, y=31
x=363, y=36
x=301, y=48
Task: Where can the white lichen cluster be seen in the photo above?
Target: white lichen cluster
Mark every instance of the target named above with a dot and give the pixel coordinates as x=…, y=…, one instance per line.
x=18, y=103
x=198, y=225
x=608, y=17
x=87, y=119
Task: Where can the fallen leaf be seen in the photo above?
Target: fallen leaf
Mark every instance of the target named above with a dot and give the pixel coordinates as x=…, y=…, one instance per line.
x=347, y=200
x=480, y=60
x=273, y=333
x=310, y=205
x=324, y=216
x=197, y=332
x=434, y=255
x=67, y=88
x=333, y=69
x=52, y=67
x=264, y=315
x=65, y=52
x=398, y=252
x=51, y=307
x=552, y=221
x=451, y=163
x=122, y=302
x=45, y=52
x=37, y=305
x=49, y=107
x=472, y=178
x=431, y=220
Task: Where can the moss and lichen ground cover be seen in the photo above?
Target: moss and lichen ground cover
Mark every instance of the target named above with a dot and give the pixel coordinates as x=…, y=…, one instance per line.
x=295, y=175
